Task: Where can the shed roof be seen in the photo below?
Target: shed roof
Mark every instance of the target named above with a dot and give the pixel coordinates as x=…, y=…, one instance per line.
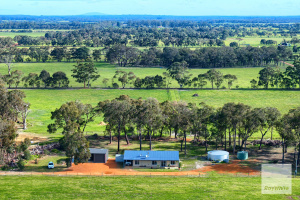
x=151, y=155
x=98, y=151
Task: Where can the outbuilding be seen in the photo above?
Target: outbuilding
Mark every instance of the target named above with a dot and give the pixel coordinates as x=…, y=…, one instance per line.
x=151, y=159
x=98, y=155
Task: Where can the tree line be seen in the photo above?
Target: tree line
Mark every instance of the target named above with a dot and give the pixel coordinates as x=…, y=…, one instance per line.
x=270, y=77
x=145, y=33
x=209, y=57
x=86, y=73
x=13, y=109
x=47, y=54
x=228, y=127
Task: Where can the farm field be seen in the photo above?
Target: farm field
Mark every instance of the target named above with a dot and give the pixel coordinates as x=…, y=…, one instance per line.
x=45, y=101
x=244, y=75
x=13, y=34
x=253, y=41
x=213, y=187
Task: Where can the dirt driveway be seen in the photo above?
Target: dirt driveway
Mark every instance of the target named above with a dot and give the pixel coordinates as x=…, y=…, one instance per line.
x=112, y=168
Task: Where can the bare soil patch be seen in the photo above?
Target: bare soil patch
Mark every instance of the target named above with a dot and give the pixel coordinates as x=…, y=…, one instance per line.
x=35, y=138
x=113, y=168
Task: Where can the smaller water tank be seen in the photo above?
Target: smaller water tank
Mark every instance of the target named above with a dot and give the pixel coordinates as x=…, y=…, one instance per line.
x=242, y=155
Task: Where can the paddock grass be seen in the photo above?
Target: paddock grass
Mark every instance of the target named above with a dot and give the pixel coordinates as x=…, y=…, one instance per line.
x=253, y=41
x=136, y=187
x=244, y=75
x=43, y=102
x=13, y=34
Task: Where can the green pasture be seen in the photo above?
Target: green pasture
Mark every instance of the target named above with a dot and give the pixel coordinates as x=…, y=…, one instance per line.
x=137, y=187
x=13, y=34
x=244, y=75
x=45, y=101
x=253, y=41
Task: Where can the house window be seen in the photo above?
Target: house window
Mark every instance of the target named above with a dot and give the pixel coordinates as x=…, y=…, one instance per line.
x=173, y=162
x=136, y=162
x=154, y=162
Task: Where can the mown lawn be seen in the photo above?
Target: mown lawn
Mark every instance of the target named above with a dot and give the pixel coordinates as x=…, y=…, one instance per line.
x=45, y=101
x=214, y=187
x=244, y=75
x=42, y=165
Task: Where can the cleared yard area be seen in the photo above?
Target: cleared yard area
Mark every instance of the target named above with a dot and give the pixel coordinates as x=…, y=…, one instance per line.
x=113, y=168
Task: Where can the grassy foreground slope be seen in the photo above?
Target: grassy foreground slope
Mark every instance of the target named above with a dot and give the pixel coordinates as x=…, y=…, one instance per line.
x=42, y=187
x=244, y=75
x=45, y=101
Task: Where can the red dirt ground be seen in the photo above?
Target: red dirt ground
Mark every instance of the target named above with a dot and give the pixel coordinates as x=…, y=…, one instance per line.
x=112, y=168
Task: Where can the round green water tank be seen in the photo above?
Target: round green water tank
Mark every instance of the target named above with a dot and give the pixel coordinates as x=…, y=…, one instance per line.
x=242, y=155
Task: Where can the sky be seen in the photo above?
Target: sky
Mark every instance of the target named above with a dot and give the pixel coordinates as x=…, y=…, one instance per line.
x=153, y=7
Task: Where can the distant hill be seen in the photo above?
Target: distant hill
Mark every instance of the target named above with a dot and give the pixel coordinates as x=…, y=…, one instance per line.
x=93, y=14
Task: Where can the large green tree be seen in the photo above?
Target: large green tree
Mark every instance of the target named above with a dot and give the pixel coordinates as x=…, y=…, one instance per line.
x=85, y=72
x=72, y=118
x=179, y=72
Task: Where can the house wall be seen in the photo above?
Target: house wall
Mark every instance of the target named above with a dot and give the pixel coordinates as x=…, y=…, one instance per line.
x=148, y=164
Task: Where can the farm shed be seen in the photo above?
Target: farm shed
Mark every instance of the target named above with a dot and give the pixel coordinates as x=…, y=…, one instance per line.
x=218, y=155
x=151, y=159
x=98, y=155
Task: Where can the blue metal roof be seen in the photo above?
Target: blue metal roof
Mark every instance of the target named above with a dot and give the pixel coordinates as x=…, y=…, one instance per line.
x=151, y=155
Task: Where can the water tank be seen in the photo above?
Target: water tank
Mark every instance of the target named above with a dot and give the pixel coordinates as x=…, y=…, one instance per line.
x=218, y=155
x=242, y=155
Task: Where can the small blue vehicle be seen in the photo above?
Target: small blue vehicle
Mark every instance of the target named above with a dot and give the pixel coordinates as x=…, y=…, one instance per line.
x=50, y=165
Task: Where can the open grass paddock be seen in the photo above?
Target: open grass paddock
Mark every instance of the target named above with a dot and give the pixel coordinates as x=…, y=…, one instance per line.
x=244, y=75
x=213, y=187
x=45, y=101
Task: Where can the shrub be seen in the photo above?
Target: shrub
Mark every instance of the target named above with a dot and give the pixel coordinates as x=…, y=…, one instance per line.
x=25, y=144
x=115, y=86
x=21, y=164
x=95, y=136
x=5, y=168
x=46, y=152
x=27, y=155
x=55, y=151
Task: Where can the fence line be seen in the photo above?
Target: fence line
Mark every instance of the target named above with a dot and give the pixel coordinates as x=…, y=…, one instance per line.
x=150, y=174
